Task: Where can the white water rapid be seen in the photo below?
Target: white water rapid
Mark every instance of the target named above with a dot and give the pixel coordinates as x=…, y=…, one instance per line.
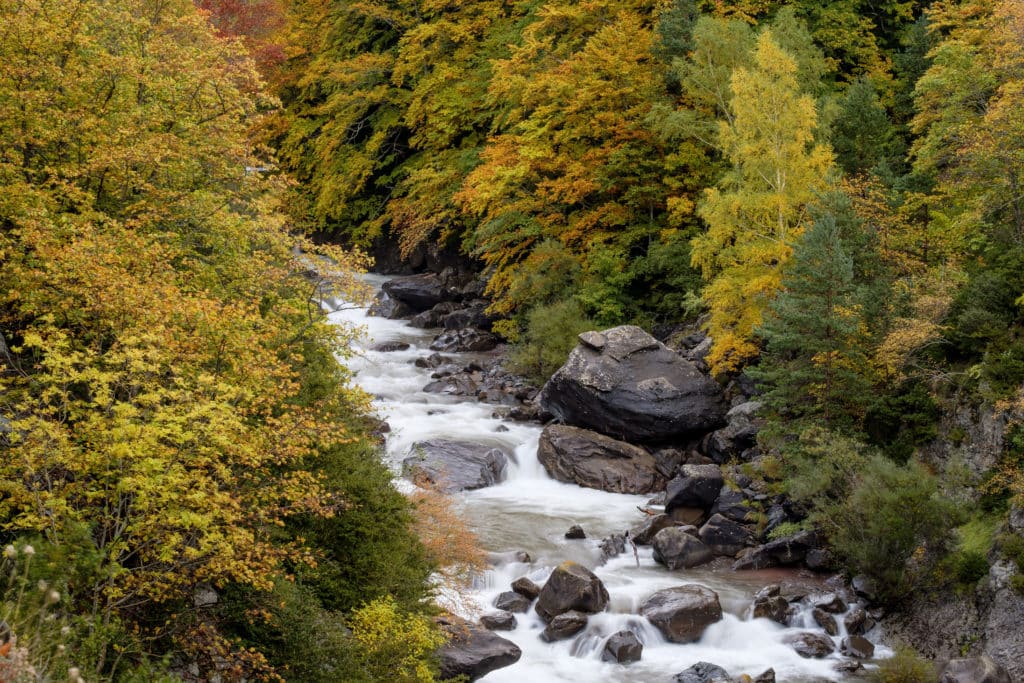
x=530, y=512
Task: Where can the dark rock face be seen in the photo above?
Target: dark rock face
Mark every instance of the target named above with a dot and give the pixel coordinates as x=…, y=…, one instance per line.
x=510, y=601
x=454, y=465
x=419, y=292
x=677, y=549
x=974, y=670
x=460, y=341
x=811, y=645
x=498, y=621
x=564, y=625
x=622, y=647
x=571, y=587
x=703, y=672
x=857, y=646
x=780, y=552
x=624, y=383
x=474, y=652
x=682, y=613
x=596, y=461
x=732, y=505
x=644, y=533
x=724, y=536
x=697, y=486
x=528, y=589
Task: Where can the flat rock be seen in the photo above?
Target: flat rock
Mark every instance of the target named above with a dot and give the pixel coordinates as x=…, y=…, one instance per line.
x=682, y=613
x=580, y=456
x=451, y=466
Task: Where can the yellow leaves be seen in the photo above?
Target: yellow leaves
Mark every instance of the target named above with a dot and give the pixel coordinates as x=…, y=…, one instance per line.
x=399, y=644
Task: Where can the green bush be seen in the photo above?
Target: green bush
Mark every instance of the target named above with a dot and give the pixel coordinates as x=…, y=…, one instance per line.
x=551, y=333
x=905, y=666
x=968, y=567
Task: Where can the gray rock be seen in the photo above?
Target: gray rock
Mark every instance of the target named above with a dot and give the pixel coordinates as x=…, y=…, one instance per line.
x=454, y=465
x=733, y=505
x=473, y=316
x=724, y=536
x=564, y=625
x=819, y=560
x=766, y=676
x=830, y=602
x=571, y=587
x=703, y=672
x=738, y=435
x=682, y=613
x=622, y=648
x=974, y=670
x=464, y=341
x=624, y=383
x=810, y=645
x=826, y=621
x=384, y=306
x=677, y=549
x=780, y=552
x=770, y=604
x=389, y=346
x=434, y=360
x=583, y=457
x=499, y=621
x=644, y=533
x=864, y=587
x=696, y=486
x=612, y=546
x=420, y=292
x=525, y=587
x=510, y=601
x=474, y=652
x=857, y=646
x=858, y=621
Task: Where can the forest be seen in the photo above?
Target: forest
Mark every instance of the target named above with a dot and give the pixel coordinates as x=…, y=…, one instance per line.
x=190, y=484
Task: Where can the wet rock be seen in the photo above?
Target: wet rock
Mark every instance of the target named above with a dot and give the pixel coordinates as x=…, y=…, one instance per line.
x=848, y=666
x=784, y=551
x=473, y=651
x=510, y=601
x=624, y=383
x=810, y=645
x=612, y=546
x=464, y=341
x=575, y=532
x=829, y=602
x=389, y=346
x=453, y=385
x=622, y=648
x=419, y=292
x=644, y=533
x=696, y=486
x=682, y=613
x=454, y=465
x=733, y=505
x=564, y=626
x=725, y=537
x=583, y=457
x=571, y=587
x=703, y=672
x=858, y=621
x=677, y=549
x=826, y=621
x=770, y=604
x=499, y=621
x=472, y=316
x=525, y=587
x=384, y=306
x=766, y=676
x=434, y=360
x=857, y=646
x=974, y=670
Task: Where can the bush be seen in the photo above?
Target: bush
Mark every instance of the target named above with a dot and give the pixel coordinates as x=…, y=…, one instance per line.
x=394, y=646
x=905, y=666
x=551, y=333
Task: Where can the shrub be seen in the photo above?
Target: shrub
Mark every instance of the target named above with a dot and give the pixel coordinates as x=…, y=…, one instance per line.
x=551, y=332
x=905, y=666
x=395, y=646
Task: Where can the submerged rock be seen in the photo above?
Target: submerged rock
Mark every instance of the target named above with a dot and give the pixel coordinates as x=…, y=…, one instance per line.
x=596, y=461
x=682, y=613
x=626, y=384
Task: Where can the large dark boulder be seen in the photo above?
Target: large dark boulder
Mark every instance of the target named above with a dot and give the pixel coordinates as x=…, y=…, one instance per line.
x=677, y=548
x=473, y=651
x=770, y=604
x=644, y=532
x=696, y=486
x=525, y=587
x=384, y=306
x=420, y=292
x=682, y=613
x=622, y=648
x=780, y=552
x=703, y=672
x=624, y=383
x=571, y=587
x=454, y=465
x=596, y=461
x=974, y=670
x=725, y=537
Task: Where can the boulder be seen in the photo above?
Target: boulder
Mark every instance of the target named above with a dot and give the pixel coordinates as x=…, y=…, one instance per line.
x=473, y=651
x=783, y=551
x=974, y=670
x=419, y=292
x=575, y=533
x=583, y=457
x=725, y=537
x=499, y=621
x=564, y=625
x=474, y=315
x=624, y=383
x=644, y=532
x=858, y=621
x=810, y=645
x=738, y=435
x=571, y=587
x=864, y=587
x=622, y=647
x=830, y=602
x=525, y=587
x=703, y=672
x=511, y=601
x=454, y=465
x=826, y=621
x=733, y=505
x=384, y=306
x=696, y=486
x=462, y=341
x=683, y=612
x=675, y=548
x=770, y=604
x=432, y=318
x=857, y=646
x=389, y=346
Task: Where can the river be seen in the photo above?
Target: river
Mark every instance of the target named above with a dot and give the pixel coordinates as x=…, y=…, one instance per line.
x=530, y=512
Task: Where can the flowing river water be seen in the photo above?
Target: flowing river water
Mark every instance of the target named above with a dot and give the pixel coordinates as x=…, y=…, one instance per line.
x=530, y=512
